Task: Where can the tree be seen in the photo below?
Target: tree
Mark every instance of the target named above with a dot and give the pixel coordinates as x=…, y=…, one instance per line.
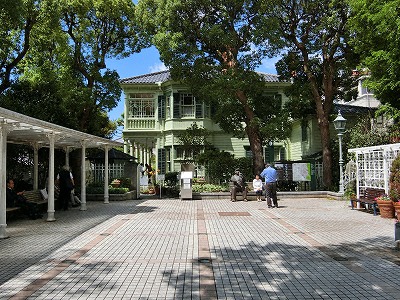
x=375, y=37
x=68, y=46
x=214, y=47
x=192, y=141
x=99, y=29
x=18, y=17
x=314, y=31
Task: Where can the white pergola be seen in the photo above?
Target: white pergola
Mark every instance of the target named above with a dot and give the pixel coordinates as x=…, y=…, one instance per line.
x=20, y=129
x=373, y=166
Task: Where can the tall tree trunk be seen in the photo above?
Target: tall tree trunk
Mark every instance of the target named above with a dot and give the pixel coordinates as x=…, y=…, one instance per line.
x=256, y=147
x=323, y=123
x=253, y=134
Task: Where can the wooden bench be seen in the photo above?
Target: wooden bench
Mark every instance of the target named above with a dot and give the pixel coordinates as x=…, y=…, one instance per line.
x=368, y=198
x=12, y=212
x=251, y=194
x=34, y=196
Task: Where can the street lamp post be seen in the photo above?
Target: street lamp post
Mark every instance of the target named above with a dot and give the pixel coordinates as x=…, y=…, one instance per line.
x=340, y=125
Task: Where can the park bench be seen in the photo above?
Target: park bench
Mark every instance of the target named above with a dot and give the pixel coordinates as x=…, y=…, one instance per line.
x=251, y=194
x=12, y=210
x=35, y=196
x=368, y=199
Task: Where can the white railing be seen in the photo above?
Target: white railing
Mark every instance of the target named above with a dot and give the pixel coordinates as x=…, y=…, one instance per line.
x=373, y=166
x=141, y=124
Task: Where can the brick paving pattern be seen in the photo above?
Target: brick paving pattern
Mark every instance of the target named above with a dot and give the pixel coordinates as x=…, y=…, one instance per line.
x=202, y=249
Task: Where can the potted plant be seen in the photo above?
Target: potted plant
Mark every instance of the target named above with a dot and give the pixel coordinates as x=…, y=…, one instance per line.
x=385, y=205
x=115, y=183
x=350, y=193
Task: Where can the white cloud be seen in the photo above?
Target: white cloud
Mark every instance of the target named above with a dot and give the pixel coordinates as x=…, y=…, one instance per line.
x=268, y=65
x=157, y=68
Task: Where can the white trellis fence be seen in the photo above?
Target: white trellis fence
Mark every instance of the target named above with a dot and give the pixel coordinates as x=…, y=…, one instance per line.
x=114, y=171
x=373, y=166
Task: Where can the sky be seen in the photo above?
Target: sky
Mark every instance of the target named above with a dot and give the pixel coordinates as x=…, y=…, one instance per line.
x=148, y=61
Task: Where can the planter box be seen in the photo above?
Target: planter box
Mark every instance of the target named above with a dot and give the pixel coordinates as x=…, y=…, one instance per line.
x=112, y=197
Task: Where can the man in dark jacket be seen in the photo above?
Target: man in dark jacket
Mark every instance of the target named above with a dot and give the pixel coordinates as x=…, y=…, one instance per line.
x=17, y=199
x=65, y=182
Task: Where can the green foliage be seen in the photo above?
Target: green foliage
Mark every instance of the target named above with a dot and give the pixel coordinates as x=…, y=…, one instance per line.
x=193, y=140
x=350, y=191
x=220, y=165
x=394, y=180
x=17, y=20
x=363, y=135
x=125, y=182
x=100, y=190
x=375, y=26
x=60, y=48
x=209, y=188
x=171, y=179
x=214, y=47
x=315, y=37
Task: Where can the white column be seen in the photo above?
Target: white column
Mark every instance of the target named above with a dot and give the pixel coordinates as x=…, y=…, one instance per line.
x=67, y=151
x=126, y=146
x=35, y=165
x=130, y=148
x=3, y=184
x=50, y=203
x=143, y=159
x=137, y=151
x=386, y=171
x=106, y=179
x=83, y=177
x=172, y=156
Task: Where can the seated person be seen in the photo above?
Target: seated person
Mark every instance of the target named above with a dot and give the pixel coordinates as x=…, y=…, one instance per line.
x=258, y=187
x=238, y=185
x=17, y=199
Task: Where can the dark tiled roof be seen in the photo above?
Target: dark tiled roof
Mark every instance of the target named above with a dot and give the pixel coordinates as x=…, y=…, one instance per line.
x=164, y=76
x=112, y=154
x=351, y=109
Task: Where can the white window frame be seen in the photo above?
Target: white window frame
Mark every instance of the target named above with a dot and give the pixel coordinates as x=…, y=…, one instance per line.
x=187, y=110
x=142, y=105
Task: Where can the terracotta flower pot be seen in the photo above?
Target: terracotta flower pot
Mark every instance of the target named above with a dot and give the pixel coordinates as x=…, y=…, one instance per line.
x=397, y=209
x=386, y=208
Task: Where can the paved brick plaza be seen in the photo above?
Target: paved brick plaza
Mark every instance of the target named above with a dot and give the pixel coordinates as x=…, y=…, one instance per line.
x=202, y=249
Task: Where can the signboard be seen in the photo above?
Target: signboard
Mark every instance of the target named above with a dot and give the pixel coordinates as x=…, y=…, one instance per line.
x=301, y=171
x=160, y=177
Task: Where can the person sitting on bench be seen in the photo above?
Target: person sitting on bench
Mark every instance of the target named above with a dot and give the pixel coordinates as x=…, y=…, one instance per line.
x=238, y=185
x=17, y=199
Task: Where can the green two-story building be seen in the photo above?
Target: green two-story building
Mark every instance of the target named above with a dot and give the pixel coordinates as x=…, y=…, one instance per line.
x=158, y=108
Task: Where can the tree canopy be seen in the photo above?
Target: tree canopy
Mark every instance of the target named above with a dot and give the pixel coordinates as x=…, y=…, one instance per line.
x=376, y=34
x=64, y=51
x=315, y=50
x=214, y=47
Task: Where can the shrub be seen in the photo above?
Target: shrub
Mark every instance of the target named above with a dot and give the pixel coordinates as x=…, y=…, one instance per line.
x=394, y=180
x=171, y=179
x=100, y=190
x=209, y=188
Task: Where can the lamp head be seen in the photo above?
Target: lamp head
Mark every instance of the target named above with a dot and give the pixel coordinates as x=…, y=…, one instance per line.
x=340, y=122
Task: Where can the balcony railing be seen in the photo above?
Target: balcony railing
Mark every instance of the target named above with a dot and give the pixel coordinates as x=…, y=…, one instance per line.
x=141, y=124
